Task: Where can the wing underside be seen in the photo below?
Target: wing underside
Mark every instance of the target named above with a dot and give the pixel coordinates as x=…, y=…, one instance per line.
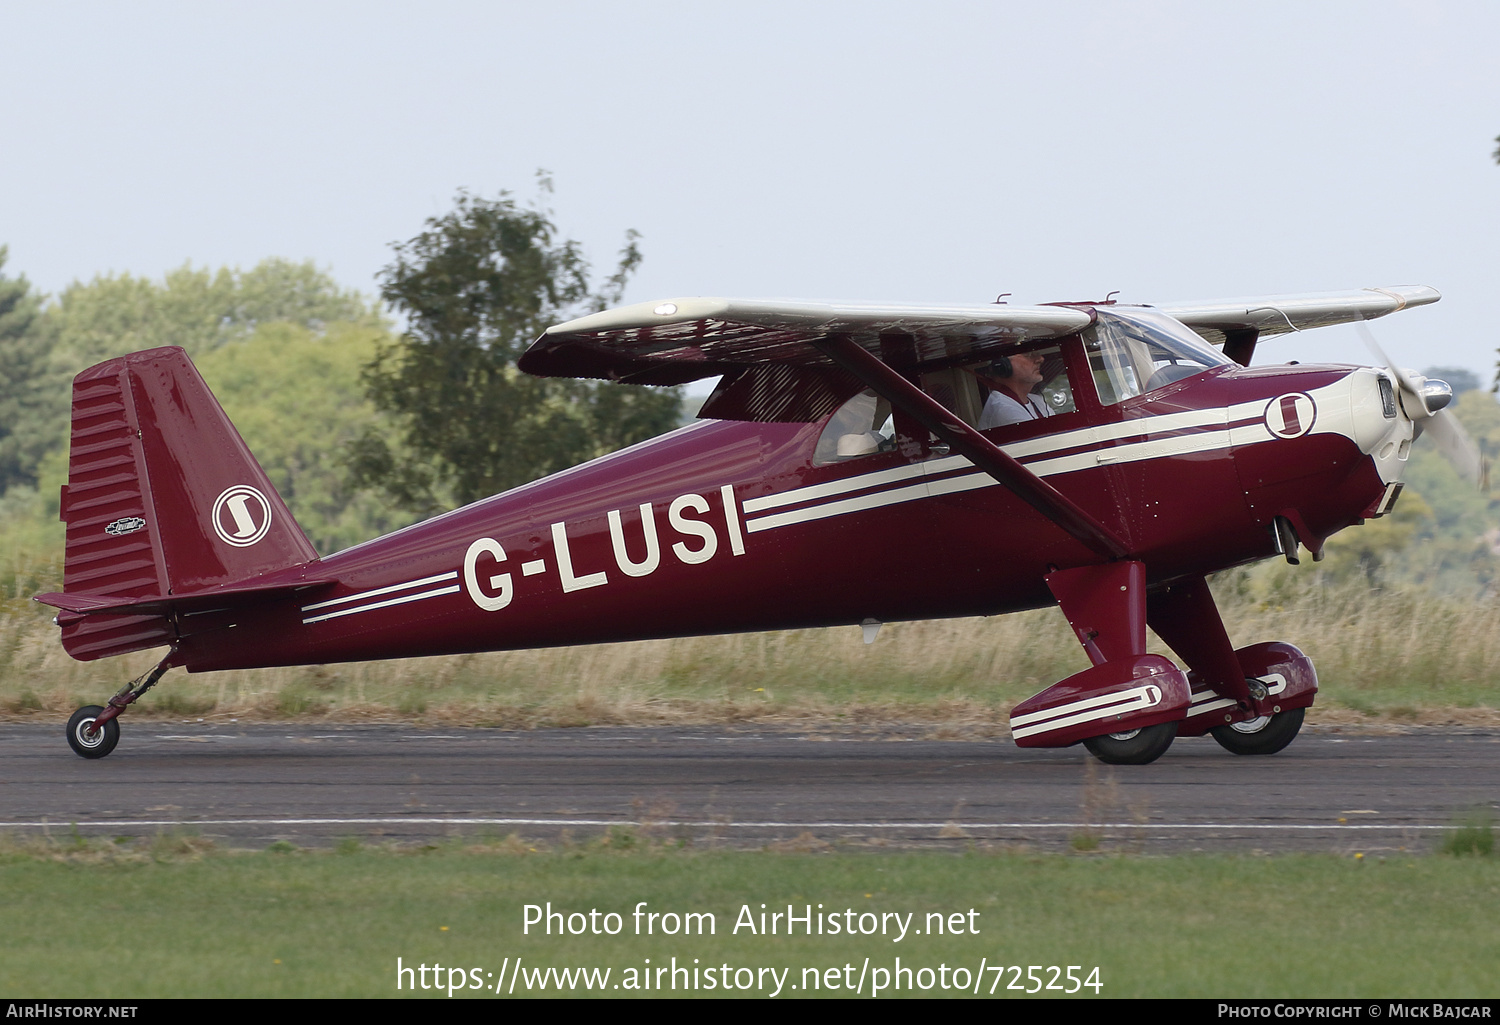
x=682, y=340
x=1278, y=314
x=679, y=340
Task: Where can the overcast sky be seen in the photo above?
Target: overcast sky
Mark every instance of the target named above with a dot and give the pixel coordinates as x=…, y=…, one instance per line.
x=941, y=152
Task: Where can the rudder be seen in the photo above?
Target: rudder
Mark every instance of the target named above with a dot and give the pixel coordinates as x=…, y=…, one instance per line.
x=163, y=497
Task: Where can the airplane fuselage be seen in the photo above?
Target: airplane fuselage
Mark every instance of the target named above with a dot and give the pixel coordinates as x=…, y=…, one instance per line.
x=729, y=526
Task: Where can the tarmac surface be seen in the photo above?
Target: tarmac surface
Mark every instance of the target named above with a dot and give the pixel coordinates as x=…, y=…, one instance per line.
x=252, y=785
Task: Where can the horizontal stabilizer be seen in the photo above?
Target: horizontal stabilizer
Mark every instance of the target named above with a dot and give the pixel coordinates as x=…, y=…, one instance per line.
x=161, y=605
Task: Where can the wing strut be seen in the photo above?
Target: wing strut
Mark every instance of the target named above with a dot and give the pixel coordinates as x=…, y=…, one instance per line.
x=966, y=441
x=1239, y=344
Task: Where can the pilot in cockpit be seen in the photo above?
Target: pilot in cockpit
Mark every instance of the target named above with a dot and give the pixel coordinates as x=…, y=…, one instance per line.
x=1012, y=401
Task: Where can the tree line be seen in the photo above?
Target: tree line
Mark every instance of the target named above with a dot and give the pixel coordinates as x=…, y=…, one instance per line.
x=362, y=427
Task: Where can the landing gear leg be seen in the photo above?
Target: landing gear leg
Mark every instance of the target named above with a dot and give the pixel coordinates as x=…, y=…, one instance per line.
x=93, y=731
x=1252, y=700
x=1126, y=708
x=1184, y=615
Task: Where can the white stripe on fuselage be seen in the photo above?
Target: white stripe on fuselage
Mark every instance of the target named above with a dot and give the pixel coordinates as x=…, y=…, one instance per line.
x=1082, y=449
x=346, y=599
x=365, y=605
x=402, y=600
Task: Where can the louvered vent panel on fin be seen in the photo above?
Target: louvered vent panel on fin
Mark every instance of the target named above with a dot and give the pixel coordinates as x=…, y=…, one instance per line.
x=110, y=546
x=109, y=540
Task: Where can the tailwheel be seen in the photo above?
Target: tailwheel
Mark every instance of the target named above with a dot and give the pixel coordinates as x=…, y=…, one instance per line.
x=1264, y=735
x=93, y=731
x=1133, y=747
x=87, y=740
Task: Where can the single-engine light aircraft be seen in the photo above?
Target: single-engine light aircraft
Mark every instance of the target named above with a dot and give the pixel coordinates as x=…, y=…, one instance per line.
x=856, y=464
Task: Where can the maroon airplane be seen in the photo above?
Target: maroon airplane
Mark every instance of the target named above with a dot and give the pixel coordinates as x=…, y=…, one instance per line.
x=857, y=464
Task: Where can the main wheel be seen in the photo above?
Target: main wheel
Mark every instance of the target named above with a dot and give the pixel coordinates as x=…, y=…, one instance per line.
x=101, y=743
x=1134, y=747
x=1261, y=736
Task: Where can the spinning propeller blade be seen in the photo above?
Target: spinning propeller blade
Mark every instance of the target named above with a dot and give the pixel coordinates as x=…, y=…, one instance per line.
x=1425, y=401
x=1459, y=449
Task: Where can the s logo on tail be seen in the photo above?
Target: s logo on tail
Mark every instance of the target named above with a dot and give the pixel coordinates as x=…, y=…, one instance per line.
x=241, y=516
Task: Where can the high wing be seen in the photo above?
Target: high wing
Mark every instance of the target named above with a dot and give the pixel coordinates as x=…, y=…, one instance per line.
x=796, y=361
x=680, y=340
x=1277, y=314
x=674, y=341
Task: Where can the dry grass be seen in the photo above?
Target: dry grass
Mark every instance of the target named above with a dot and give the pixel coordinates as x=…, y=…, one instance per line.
x=1396, y=658
x=940, y=671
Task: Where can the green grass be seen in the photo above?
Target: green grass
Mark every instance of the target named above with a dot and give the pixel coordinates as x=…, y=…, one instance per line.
x=172, y=918
x=1473, y=835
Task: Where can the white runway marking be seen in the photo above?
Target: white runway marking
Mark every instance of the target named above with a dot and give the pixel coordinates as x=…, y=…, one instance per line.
x=475, y=821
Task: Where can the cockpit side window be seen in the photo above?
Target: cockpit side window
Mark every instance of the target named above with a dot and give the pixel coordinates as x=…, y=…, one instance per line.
x=1138, y=351
x=861, y=427
x=1024, y=386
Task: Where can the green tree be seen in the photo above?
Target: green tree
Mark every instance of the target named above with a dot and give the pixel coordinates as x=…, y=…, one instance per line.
x=23, y=398
x=198, y=309
x=295, y=397
x=476, y=288
x=1368, y=548
x=195, y=308
x=281, y=345
x=1444, y=530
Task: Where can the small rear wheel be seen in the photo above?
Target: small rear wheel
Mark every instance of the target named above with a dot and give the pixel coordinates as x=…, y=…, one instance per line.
x=1260, y=736
x=91, y=745
x=1133, y=747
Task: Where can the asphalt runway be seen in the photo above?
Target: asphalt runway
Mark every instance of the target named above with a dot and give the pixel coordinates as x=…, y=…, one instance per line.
x=252, y=785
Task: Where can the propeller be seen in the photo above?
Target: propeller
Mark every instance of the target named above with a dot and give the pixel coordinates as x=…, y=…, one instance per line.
x=1425, y=402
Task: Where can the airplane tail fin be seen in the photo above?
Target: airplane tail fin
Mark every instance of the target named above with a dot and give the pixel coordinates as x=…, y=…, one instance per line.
x=163, y=501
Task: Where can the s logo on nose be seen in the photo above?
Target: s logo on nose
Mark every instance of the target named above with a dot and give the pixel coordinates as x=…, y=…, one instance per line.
x=241, y=516
x=1291, y=416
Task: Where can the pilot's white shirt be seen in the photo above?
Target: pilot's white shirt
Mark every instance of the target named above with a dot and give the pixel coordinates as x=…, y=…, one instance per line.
x=1004, y=408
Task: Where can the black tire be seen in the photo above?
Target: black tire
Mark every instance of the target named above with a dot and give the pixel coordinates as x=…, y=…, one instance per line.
x=101, y=743
x=1137, y=747
x=1263, y=736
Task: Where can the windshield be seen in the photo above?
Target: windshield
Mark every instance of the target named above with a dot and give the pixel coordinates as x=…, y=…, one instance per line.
x=1136, y=351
